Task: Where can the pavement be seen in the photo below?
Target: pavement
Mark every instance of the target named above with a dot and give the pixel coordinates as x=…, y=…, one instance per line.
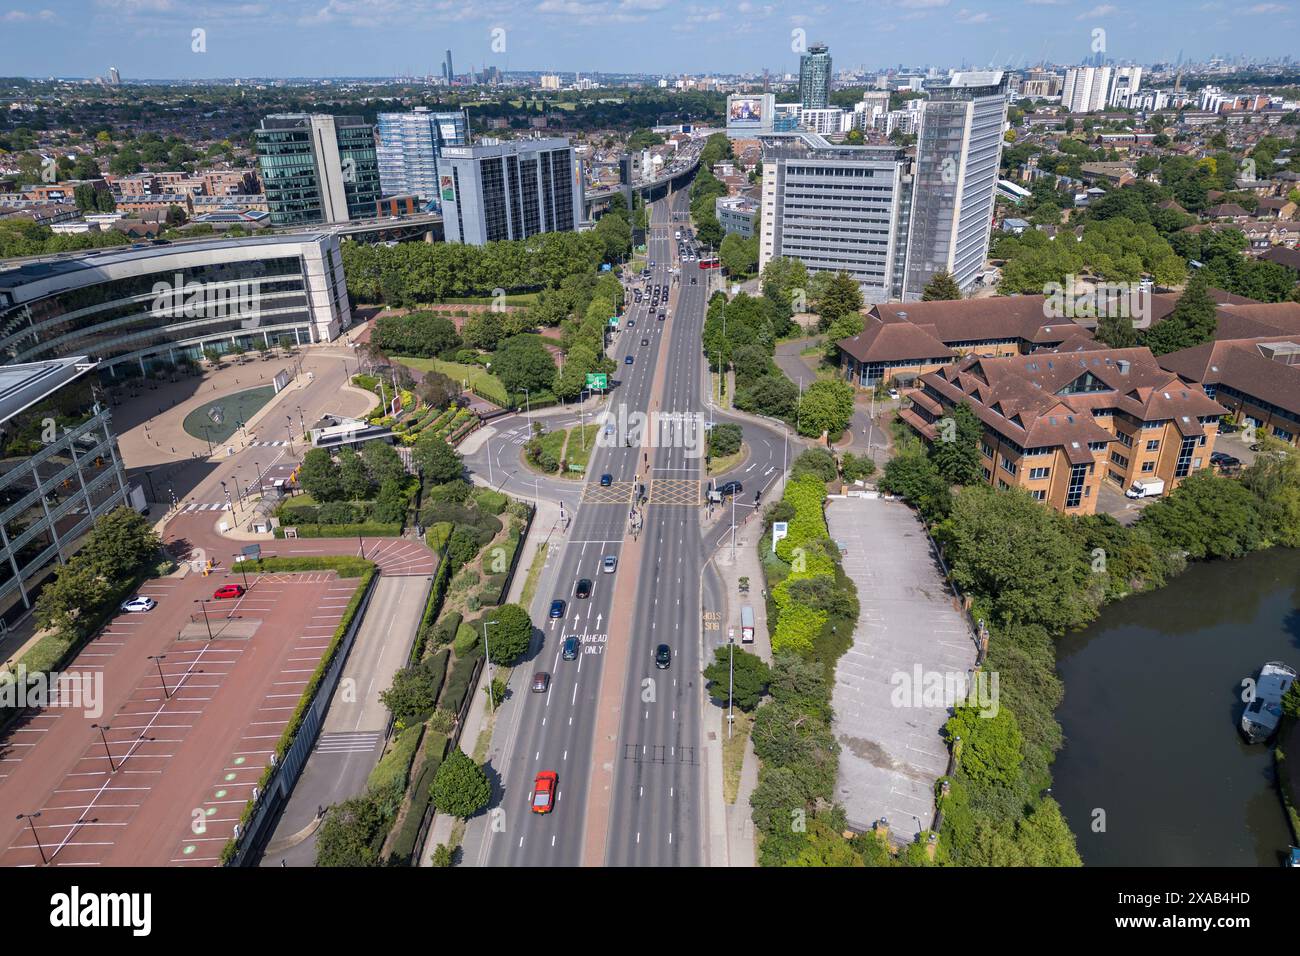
x=356, y=725
x=910, y=634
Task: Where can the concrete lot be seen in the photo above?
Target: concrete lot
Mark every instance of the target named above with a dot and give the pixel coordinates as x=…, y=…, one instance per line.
x=893, y=752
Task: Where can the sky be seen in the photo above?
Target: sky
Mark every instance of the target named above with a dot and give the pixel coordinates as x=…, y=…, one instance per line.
x=198, y=39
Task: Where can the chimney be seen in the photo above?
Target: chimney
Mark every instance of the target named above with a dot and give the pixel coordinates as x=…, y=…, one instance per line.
x=1122, y=365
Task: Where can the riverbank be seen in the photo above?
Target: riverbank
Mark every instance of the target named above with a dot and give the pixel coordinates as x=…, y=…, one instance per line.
x=1154, y=771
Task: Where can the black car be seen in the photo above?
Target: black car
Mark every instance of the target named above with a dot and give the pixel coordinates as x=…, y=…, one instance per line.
x=557, y=608
x=663, y=656
x=730, y=488
x=645, y=341
x=606, y=480
x=662, y=316
x=570, y=650
x=693, y=280
x=583, y=590
x=627, y=360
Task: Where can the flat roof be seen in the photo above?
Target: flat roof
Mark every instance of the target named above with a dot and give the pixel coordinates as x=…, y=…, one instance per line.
x=45, y=267
x=25, y=384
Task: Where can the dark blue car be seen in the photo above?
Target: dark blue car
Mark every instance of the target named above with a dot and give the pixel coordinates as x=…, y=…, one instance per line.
x=557, y=608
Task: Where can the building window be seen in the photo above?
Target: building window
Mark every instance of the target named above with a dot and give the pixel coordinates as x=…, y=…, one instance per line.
x=1184, y=464
x=988, y=475
x=1153, y=444
x=1039, y=495
x=1124, y=439
x=1119, y=459
x=987, y=449
x=1037, y=474
x=1008, y=465
x=1074, y=492
x=1148, y=467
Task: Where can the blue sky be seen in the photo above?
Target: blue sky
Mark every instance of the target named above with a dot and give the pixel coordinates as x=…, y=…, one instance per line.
x=153, y=38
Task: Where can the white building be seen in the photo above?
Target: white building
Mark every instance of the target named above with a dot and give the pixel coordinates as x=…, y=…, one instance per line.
x=1086, y=88
x=1124, y=85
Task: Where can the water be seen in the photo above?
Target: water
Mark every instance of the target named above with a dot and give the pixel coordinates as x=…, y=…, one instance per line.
x=1151, y=709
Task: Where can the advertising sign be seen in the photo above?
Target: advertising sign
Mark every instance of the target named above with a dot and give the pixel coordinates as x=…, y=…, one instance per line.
x=448, y=188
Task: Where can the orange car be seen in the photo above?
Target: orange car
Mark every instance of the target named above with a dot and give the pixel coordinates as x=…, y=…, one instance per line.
x=544, y=788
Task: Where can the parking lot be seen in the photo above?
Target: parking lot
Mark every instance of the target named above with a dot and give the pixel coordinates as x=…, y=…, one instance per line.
x=158, y=772
x=909, y=628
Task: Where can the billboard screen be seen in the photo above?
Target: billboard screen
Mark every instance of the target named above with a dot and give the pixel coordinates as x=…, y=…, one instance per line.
x=447, y=188
x=745, y=111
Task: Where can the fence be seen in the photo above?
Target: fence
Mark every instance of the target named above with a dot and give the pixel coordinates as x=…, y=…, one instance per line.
x=249, y=842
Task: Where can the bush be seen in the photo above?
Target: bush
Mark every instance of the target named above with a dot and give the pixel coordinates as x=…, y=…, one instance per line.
x=435, y=746
x=724, y=439
x=818, y=462
x=460, y=787
x=437, y=535
x=466, y=639
x=857, y=467
x=445, y=630
x=337, y=512
x=492, y=502
x=457, y=491
x=458, y=684
x=394, y=767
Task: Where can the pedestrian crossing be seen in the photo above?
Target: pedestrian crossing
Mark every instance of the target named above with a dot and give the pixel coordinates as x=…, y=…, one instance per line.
x=353, y=742
x=205, y=506
x=268, y=444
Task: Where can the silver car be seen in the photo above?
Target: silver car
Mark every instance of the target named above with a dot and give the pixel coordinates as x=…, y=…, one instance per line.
x=610, y=564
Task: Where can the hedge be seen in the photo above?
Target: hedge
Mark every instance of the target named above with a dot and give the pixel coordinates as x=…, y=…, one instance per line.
x=395, y=766
x=371, y=529
x=466, y=639
x=458, y=684
x=435, y=749
x=444, y=632
x=437, y=535
x=493, y=502
x=344, y=567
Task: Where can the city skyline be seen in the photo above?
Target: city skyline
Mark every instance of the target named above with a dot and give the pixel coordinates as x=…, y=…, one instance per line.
x=156, y=39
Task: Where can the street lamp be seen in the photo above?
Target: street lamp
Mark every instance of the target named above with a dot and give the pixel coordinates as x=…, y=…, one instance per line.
x=239, y=560
x=492, y=693
x=203, y=604
x=288, y=428
x=158, y=659
x=302, y=422
x=226, y=491
x=30, y=817
x=102, y=736
x=528, y=407
x=731, y=682
x=259, y=477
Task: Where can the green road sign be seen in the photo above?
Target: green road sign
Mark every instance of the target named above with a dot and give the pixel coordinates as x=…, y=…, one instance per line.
x=613, y=321
x=597, y=380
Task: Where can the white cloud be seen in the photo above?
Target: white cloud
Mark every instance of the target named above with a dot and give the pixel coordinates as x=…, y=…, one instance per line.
x=22, y=16
x=966, y=16
x=1267, y=8
x=922, y=4
x=1104, y=10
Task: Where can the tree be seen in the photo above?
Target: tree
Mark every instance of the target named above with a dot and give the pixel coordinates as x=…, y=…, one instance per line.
x=991, y=746
x=436, y=390
x=724, y=439
x=121, y=542
x=1207, y=516
x=827, y=406
x=857, y=467
x=510, y=631
x=847, y=326
x=413, y=693
x=383, y=462
x=748, y=677
x=320, y=477
x=70, y=600
x=524, y=363
x=818, y=462
x=391, y=502
x=955, y=449
x=1193, y=320
x=460, y=787
x=357, y=483
x=1275, y=480
x=941, y=286
x=739, y=255
x=1117, y=331
x=1016, y=557
x=348, y=834
x=840, y=296
x=436, y=459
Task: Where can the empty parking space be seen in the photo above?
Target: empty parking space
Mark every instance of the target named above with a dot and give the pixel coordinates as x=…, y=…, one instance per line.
x=910, y=638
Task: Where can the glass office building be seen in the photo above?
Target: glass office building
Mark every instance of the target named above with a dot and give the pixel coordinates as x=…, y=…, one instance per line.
x=60, y=469
x=508, y=190
x=958, y=151
x=408, y=151
x=815, y=77
x=318, y=168
x=132, y=310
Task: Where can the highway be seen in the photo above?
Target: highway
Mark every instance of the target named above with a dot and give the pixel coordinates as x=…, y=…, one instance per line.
x=554, y=731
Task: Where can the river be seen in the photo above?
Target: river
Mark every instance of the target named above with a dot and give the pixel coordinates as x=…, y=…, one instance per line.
x=1154, y=771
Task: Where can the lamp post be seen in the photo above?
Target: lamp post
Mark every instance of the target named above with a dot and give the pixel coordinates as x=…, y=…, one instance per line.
x=239, y=560
x=492, y=694
x=528, y=406
x=158, y=659
x=259, y=477
x=302, y=422
x=30, y=817
x=203, y=605
x=104, y=737
x=230, y=506
x=288, y=429
x=731, y=683
x=240, y=494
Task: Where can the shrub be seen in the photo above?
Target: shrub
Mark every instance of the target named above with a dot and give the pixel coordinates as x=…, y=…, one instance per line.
x=724, y=439
x=445, y=630
x=817, y=462
x=337, y=512
x=492, y=502
x=466, y=639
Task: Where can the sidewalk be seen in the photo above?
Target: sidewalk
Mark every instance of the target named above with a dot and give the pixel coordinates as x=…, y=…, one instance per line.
x=545, y=527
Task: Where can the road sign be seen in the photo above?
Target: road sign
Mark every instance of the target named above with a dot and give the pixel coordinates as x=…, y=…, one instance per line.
x=597, y=380
x=613, y=321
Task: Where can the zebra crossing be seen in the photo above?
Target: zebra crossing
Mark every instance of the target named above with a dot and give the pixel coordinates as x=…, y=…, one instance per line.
x=354, y=742
x=205, y=506
x=268, y=444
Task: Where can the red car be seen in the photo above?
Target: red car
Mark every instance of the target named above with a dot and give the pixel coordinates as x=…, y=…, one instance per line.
x=228, y=591
x=544, y=791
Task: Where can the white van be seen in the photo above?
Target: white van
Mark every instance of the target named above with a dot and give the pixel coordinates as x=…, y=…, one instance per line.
x=1146, y=488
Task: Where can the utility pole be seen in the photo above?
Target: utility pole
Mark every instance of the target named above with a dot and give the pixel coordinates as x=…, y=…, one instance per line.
x=492, y=694
x=731, y=684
